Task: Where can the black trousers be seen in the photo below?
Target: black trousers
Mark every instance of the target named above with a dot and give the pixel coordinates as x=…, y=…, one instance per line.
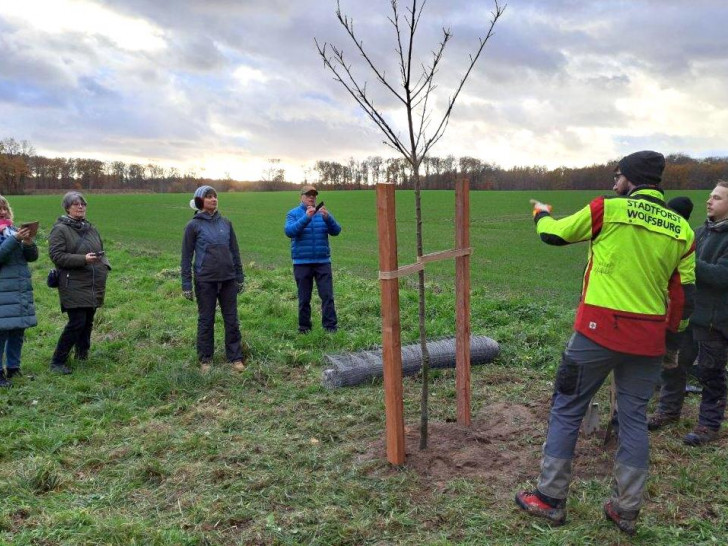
x=711, y=349
x=208, y=295
x=77, y=333
x=305, y=275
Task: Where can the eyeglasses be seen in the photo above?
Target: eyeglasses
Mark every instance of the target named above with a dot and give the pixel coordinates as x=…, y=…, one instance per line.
x=616, y=176
x=310, y=194
x=78, y=204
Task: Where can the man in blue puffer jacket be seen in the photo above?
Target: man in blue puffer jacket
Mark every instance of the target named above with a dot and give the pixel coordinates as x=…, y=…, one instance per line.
x=309, y=227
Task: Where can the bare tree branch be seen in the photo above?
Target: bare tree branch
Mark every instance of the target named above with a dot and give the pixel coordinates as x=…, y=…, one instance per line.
x=496, y=14
x=429, y=73
x=358, y=93
x=400, y=50
x=348, y=25
x=414, y=18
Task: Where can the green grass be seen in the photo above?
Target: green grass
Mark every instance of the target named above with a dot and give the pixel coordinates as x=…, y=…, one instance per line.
x=137, y=447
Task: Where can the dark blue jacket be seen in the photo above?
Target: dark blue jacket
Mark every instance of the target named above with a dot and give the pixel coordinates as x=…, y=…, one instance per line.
x=212, y=241
x=310, y=236
x=17, y=309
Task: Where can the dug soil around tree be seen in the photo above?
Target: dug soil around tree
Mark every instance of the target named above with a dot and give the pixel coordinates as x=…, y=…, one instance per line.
x=502, y=448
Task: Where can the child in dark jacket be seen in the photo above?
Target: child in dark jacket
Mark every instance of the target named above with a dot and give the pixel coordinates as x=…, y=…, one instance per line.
x=684, y=207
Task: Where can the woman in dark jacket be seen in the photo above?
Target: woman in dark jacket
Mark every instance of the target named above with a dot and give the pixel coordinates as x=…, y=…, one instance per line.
x=76, y=249
x=17, y=310
x=210, y=249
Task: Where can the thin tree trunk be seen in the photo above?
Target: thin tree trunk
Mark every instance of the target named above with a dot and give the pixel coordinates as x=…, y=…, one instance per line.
x=424, y=402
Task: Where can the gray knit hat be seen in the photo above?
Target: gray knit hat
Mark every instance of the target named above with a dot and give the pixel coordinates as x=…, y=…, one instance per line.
x=200, y=194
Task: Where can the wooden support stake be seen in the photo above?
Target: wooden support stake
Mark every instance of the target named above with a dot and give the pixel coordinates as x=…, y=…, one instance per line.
x=391, y=340
x=462, y=292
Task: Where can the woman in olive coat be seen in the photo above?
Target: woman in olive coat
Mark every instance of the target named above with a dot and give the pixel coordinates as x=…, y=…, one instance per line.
x=17, y=309
x=76, y=249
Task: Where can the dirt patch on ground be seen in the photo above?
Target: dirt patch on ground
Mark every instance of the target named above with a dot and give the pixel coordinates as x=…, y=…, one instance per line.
x=502, y=447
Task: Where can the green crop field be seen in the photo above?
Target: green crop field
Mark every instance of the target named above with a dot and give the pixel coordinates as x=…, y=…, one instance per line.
x=138, y=447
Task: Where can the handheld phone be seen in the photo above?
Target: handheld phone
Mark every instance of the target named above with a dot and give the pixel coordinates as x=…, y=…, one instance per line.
x=32, y=226
x=321, y=204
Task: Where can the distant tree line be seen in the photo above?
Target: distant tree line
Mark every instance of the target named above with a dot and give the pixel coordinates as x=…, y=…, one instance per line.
x=23, y=171
x=681, y=172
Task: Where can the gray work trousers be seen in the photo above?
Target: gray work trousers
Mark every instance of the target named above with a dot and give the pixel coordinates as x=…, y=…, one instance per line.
x=584, y=367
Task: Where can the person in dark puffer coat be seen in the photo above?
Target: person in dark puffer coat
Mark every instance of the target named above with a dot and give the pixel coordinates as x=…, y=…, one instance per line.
x=76, y=249
x=17, y=309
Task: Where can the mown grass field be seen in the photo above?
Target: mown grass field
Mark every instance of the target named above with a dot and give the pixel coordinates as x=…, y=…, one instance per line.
x=137, y=447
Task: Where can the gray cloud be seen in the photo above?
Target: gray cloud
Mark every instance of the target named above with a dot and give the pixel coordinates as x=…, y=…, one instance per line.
x=572, y=80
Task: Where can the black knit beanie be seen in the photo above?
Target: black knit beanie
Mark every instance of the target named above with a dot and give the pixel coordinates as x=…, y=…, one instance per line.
x=682, y=205
x=642, y=168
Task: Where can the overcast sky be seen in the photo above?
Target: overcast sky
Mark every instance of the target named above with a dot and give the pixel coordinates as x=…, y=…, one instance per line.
x=221, y=86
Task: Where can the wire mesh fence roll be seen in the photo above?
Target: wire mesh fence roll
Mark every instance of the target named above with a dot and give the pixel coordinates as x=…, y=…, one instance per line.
x=347, y=369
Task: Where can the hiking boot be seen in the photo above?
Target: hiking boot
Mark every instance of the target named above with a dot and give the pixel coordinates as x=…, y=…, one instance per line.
x=238, y=365
x=659, y=420
x=60, y=369
x=4, y=383
x=627, y=522
x=700, y=435
x=536, y=504
x=13, y=372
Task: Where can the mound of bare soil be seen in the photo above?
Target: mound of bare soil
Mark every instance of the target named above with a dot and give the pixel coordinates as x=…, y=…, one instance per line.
x=502, y=447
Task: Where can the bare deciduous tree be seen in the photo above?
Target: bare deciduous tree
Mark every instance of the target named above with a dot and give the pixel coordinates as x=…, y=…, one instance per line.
x=274, y=172
x=414, y=92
